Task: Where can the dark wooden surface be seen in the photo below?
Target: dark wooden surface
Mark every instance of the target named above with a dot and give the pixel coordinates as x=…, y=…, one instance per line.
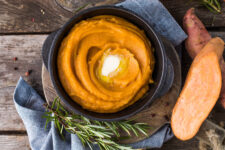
x=24, y=24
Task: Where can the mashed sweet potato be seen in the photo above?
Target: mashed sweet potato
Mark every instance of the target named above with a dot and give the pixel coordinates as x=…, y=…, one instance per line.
x=82, y=55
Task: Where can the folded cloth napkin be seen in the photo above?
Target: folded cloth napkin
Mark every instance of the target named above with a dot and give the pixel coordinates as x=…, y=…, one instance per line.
x=29, y=104
x=158, y=17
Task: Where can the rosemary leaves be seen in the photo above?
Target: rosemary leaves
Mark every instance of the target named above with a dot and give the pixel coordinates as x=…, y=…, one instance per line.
x=212, y=5
x=104, y=134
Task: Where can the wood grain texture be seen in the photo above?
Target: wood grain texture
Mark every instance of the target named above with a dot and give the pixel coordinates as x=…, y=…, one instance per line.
x=35, y=16
x=12, y=142
x=31, y=16
x=27, y=49
x=73, y=6
x=176, y=144
x=43, y=16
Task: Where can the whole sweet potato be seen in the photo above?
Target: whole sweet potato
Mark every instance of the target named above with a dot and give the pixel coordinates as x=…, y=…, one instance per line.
x=198, y=37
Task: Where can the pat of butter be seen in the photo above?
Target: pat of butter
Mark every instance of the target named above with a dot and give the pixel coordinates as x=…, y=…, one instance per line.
x=110, y=64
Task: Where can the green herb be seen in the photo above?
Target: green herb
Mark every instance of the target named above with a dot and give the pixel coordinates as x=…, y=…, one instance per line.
x=81, y=7
x=91, y=132
x=212, y=5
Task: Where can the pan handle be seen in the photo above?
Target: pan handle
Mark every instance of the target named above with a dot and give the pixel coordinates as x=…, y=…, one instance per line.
x=47, y=46
x=169, y=77
x=169, y=70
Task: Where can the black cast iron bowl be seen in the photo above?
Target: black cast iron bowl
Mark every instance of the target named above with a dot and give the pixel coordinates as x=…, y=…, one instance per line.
x=162, y=75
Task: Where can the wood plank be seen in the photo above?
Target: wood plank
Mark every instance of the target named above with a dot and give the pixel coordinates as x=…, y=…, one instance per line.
x=12, y=142
x=72, y=6
x=10, y=120
x=31, y=16
x=176, y=144
x=37, y=16
x=27, y=49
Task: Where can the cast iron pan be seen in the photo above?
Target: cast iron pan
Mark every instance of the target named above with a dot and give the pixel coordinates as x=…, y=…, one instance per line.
x=163, y=73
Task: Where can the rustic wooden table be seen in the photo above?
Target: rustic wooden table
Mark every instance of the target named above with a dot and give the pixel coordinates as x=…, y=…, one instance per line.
x=24, y=25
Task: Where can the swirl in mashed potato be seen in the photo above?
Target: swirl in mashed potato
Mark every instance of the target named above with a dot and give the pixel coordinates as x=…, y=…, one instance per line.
x=105, y=63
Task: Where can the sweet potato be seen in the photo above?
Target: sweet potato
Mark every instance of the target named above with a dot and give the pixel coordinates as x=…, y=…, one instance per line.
x=198, y=37
x=222, y=93
x=200, y=92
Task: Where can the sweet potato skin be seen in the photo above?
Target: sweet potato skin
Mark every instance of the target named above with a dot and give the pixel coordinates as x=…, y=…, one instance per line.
x=200, y=92
x=222, y=93
x=198, y=37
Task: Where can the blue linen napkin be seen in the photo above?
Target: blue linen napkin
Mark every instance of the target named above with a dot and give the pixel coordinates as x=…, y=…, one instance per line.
x=29, y=104
x=158, y=17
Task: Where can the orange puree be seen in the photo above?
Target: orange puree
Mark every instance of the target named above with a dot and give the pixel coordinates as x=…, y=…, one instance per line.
x=82, y=57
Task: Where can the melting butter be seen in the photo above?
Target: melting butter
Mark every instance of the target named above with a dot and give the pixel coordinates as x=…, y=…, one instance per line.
x=110, y=64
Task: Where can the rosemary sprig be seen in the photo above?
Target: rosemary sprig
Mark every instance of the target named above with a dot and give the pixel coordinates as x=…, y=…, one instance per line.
x=92, y=131
x=212, y=5
x=81, y=7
